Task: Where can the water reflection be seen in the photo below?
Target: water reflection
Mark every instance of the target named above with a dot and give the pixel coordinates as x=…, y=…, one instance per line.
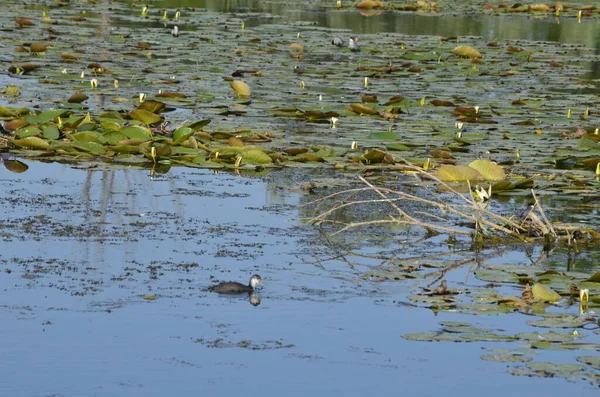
x=254, y=299
x=509, y=27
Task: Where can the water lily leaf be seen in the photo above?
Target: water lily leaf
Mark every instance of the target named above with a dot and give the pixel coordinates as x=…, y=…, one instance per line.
x=557, y=370
x=171, y=95
x=550, y=336
x=399, y=147
x=558, y=322
x=15, y=124
x=87, y=136
x=311, y=115
x=293, y=151
x=256, y=157
x=51, y=132
x=547, y=345
x=296, y=47
x=77, y=98
x=593, y=361
x=152, y=106
x=49, y=115
x=38, y=47
x=137, y=132
x=595, y=278
x=466, y=51
x=15, y=166
x=163, y=150
x=385, y=136
x=111, y=126
x=89, y=147
x=87, y=126
x=32, y=142
x=502, y=186
x=370, y=4
x=489, y=170
x=198, y=125
x=374, y=156
x=507, y=358
x=145, y=116
x=182, y=134
x=539, y=8
x=6, y=112
x=544, y=293
x=125, y=149
x=113, y=137
x=241, y=89
x=458, y=173
x=30, y=130
x=302, y=157
x=68, y=56
x=394, y=99
x=363, y=109
x=323, y=151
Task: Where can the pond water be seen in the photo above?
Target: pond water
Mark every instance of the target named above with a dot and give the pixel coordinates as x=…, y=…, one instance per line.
x=104, y=267
x=103, y=292
x=458, y=20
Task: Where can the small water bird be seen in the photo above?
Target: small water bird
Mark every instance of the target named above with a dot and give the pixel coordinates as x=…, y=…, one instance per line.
x=353, y=44
x=337, y=41
x=233, y=287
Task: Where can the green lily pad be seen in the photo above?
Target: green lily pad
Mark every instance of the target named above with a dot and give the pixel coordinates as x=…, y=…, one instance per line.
x=32, y=142
x=137, y=132
x=544, y=293
x=182, y=134
x=558, y=322
x=489, y=170
x=256, y=157
x=458, y=173
x=506, y=358
x=51, y=132
x=592, y=361
x=145, y=116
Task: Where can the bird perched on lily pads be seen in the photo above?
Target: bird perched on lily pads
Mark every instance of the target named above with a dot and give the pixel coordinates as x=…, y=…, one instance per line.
x=353, y=44
x=337, y=41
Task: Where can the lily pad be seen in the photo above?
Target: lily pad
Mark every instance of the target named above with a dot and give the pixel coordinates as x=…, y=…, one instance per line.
x=489, y=170
x=32, y=142
x=544, y=293
x=458, y=173
x=145, y=116
x=241, y=89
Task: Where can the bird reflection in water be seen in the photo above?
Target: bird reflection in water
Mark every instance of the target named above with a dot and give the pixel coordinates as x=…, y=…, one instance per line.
x=254, y=298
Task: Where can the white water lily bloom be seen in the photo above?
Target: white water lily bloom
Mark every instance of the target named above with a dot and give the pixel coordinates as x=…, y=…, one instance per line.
x=94, y=83
x=333, y=121
x=481, y=194
x=142, y=96
x=584, y=295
